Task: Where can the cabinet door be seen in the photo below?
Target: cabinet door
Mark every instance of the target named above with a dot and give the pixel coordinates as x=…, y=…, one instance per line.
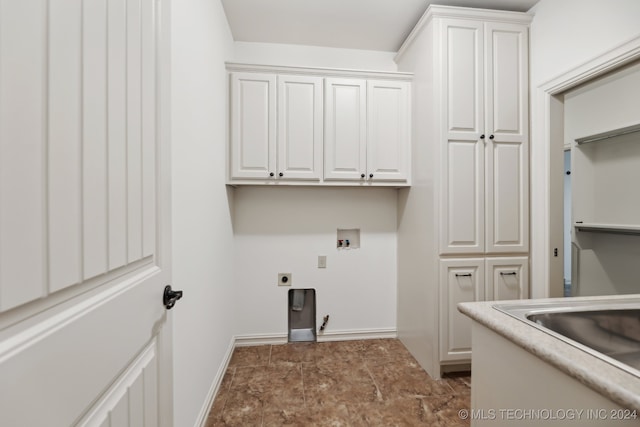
x=300, y=127
x=253, y=125
x=462, y=156
x=388, y=118
x=461, y=280
x=345, y=129
x=507, y=278
x=507, y=186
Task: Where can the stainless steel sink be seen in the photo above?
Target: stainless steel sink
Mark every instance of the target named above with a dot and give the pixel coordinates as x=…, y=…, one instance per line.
x=608, y=329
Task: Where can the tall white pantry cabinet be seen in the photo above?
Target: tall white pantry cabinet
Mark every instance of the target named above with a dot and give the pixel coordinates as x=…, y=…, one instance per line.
x=471, y=108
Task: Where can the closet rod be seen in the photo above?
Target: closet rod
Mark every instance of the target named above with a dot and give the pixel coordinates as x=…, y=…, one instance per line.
x=608, y=134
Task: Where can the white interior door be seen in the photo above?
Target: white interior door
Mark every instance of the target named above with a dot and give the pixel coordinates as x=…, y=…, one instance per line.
x=84, y=204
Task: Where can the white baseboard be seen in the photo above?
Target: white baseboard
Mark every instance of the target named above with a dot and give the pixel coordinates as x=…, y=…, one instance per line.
x=215, y=385
x=363, y=334
x=261, y=339
x=356, y=334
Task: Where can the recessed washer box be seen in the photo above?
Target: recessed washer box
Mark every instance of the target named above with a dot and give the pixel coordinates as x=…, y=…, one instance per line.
x=348, y=238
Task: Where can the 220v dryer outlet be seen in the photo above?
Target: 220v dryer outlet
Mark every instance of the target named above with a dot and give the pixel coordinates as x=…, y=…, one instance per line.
x=284, y=279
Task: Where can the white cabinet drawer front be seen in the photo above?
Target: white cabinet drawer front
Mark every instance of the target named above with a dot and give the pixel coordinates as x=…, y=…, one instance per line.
x=507, y=278
x=460, y=281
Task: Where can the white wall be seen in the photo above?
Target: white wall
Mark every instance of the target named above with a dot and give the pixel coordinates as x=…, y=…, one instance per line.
x=202, y=230
x=283, y=230
x=564, y=34
x=312, y=56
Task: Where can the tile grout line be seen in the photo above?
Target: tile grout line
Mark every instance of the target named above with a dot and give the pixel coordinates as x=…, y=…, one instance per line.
x=304, y=398
x=224, y=405
x=378, y=392
x=266, y=368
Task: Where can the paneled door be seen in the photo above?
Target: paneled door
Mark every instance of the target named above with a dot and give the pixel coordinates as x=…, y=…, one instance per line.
x=253, y=125
x=300, y=129
x=507, y=126
x=84, y=213
x=345, y=134
x=462, y=200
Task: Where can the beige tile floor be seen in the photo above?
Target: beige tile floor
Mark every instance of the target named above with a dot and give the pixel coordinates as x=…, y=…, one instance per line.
x=344, y=383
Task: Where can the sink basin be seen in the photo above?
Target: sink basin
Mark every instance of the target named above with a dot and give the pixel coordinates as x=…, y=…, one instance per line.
x=615, y=333
x=608, y=329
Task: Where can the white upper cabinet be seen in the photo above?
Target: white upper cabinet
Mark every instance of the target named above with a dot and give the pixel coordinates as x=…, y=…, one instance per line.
x=346, y=130
x=253, y=125
x=485, y=156
x=262, y=149
x=299, y=127
x=388, y=118
x=315, y=126
x=367, y=130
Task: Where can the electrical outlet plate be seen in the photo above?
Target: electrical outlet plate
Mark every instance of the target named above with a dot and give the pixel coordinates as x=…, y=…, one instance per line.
x=322, y=261
x=284, y=279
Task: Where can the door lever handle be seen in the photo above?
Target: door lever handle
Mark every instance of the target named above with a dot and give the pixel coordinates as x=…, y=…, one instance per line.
x=170, y=297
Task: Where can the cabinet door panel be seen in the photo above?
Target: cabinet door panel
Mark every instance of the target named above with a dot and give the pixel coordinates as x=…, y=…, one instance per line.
x=507, y=82
x=460, y=281
x=345, y=133
x=300, y=127
x=464, y=78
x=462, y=202
x=253, y=126
x=507, y=198
x=507, y=278
x=387, y=130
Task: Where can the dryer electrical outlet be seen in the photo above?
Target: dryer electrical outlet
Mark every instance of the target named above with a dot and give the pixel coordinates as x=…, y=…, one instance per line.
x=284, y=279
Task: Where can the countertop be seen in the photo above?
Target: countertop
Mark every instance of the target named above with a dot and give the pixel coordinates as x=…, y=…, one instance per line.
x=610, y=381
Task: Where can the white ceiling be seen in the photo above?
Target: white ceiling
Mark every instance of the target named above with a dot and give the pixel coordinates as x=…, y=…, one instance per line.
x=354, y=24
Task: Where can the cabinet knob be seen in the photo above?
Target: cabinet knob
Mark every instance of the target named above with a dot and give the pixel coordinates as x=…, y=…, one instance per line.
x=370, y=175
x=361, y=175
x=271, y=174
x=280, y=174
x=482, y=136
x=490, y=136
